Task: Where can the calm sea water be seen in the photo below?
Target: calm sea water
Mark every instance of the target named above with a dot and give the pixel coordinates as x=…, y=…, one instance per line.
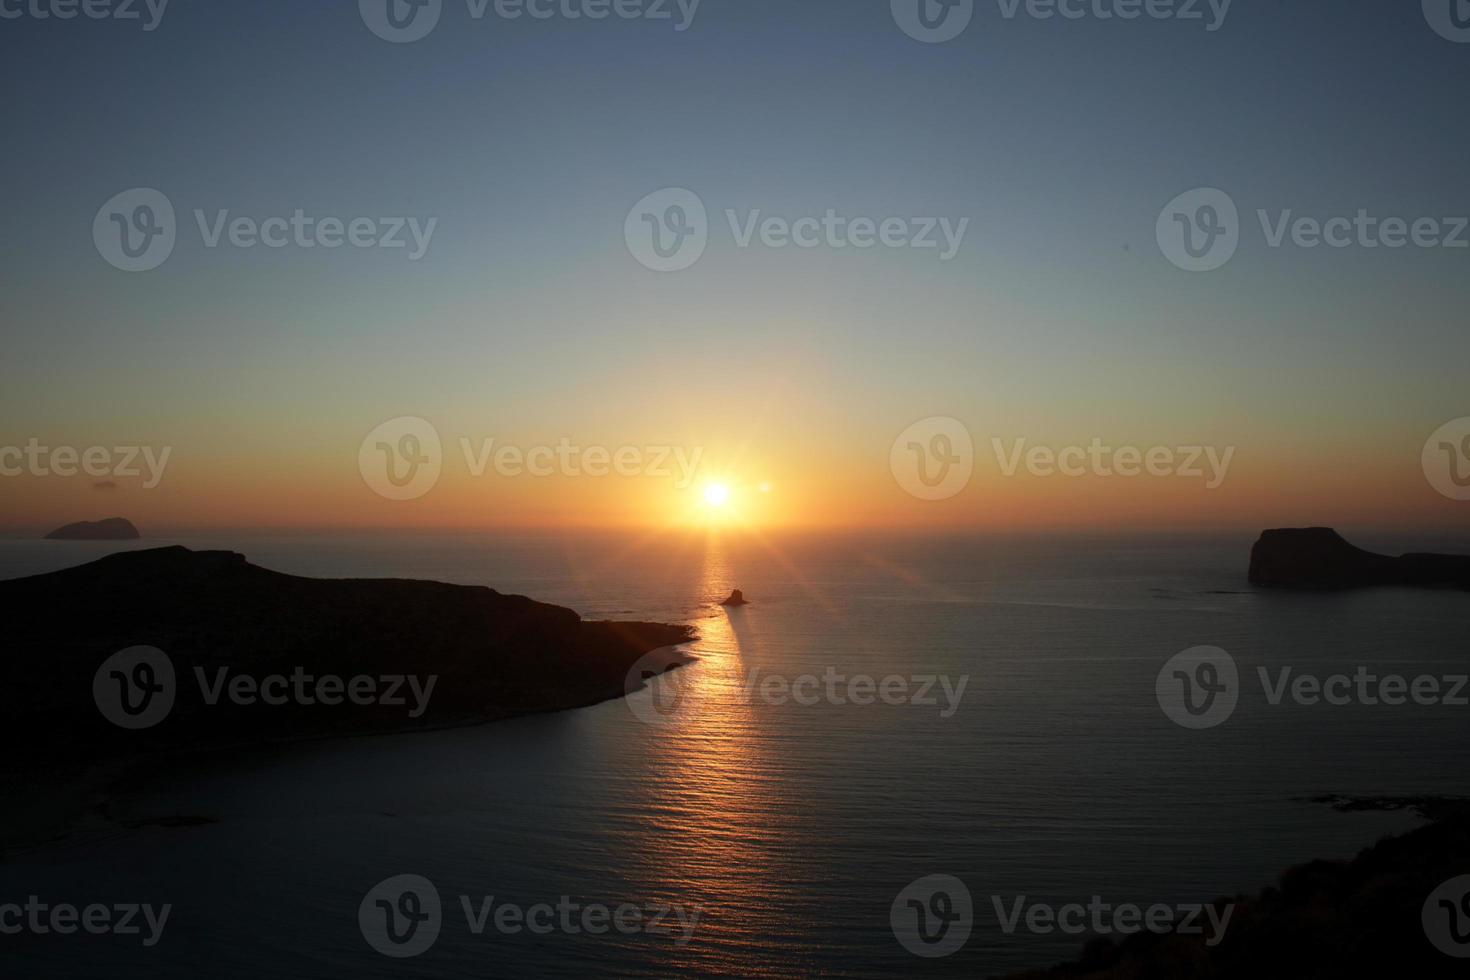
x=791, y=828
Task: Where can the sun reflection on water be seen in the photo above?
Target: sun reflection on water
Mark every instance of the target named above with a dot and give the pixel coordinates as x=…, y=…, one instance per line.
x=716, y=836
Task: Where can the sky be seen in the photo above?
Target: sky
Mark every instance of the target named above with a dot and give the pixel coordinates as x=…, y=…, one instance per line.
x=532, y=318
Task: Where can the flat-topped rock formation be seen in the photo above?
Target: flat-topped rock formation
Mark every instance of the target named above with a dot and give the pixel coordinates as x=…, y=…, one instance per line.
x=111, y=529
x=218, y=619
x=1319, y=558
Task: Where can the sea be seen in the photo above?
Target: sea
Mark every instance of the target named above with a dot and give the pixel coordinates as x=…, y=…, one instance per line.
x=887, y=708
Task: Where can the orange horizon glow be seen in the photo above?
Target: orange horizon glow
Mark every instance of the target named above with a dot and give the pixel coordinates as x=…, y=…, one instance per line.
x=771, y=495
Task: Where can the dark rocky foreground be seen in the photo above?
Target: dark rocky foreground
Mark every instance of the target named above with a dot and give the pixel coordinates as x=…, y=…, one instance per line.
x=1325, y=919
x=111, y=529
x=212, y=613
x=1319, y=558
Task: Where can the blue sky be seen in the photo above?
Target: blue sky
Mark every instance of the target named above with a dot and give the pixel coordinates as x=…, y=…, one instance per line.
x=529, y=141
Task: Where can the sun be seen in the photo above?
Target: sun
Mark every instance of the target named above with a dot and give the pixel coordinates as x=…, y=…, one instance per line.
x=716, y=494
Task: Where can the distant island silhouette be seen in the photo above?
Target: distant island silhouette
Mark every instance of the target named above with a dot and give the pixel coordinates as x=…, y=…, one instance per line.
x=1320, y=558
x=494, y=655
x=111, y=529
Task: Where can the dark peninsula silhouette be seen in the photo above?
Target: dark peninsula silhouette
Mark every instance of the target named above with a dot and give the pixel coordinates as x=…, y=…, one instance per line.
x=492, y=655
x=1319, y=558
x=111, y=529
x=1358, y=918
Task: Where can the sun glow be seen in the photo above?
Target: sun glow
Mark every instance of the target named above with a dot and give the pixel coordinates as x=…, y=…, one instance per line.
x=727, y=499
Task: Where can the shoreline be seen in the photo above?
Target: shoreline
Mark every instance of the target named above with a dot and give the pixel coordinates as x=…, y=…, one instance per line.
x=60, y=811
x=184, y=615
